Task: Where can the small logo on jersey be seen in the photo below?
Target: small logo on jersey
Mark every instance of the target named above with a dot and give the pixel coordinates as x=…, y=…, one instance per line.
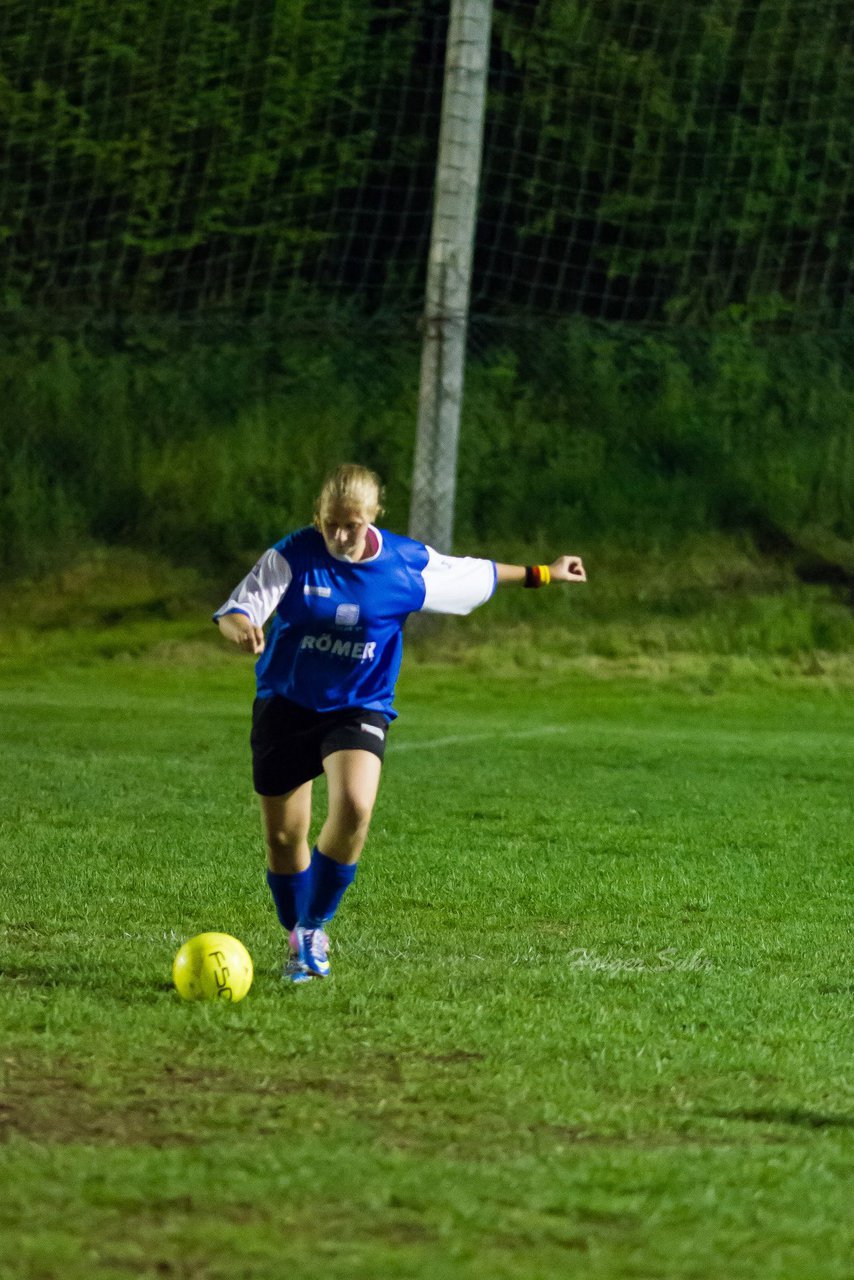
x=372, y=728
x=317, y=591
x=346, y=615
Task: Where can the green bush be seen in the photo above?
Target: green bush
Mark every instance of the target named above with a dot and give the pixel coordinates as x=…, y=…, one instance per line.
x=205, y=451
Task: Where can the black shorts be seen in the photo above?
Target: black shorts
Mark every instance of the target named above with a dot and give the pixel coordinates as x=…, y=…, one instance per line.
x=290, y=742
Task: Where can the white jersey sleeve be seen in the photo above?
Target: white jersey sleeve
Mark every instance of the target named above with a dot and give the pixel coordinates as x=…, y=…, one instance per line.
x=456, y=584
x=261, y=590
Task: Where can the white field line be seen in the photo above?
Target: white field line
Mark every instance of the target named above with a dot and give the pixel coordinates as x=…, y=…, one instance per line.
x=787, y=741
x=464, y=739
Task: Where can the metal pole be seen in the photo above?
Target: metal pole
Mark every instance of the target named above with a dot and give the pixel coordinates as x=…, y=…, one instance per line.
x=449, y=273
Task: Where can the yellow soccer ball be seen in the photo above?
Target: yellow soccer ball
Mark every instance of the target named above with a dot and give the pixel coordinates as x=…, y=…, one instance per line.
x=212, y=966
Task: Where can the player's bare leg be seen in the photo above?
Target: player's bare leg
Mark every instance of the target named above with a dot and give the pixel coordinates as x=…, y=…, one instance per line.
x=286, y=821
x=353, y=778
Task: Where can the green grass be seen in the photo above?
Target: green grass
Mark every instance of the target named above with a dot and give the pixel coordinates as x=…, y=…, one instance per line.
x=590, y=1011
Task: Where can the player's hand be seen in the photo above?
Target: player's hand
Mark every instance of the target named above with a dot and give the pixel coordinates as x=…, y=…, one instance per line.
x=568, y=569
x=252, y=640
x=242, y=632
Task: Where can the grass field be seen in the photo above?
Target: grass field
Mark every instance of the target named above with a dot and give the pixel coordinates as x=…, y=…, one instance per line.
x=590, y=1012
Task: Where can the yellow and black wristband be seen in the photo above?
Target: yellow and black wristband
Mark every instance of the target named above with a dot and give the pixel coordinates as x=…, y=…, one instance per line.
x=537, y=575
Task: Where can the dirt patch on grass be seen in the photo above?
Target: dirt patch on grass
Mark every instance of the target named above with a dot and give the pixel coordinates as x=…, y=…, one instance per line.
x=65, y=1102
x=453, y=1056
x=78, y=1120
x=466, y=1141
x=61, y=1106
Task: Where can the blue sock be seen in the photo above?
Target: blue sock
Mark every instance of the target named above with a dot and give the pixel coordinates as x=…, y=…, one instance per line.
x=290, y=894
x=329, y=880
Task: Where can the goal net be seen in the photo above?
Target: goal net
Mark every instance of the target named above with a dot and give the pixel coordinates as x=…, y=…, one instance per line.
x=646, y=161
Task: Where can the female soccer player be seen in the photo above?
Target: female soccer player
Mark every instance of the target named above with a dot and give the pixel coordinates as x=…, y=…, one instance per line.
x=339, y=592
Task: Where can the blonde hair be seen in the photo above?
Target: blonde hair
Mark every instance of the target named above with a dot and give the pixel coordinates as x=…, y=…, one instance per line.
x=353, y=488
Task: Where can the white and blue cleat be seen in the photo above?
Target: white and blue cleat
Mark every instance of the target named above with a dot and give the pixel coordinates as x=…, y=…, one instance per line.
x=313, y=950
x=308, y=955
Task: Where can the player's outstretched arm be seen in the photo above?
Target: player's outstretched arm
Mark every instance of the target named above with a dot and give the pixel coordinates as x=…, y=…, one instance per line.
x=564, y=569
x=242, y=631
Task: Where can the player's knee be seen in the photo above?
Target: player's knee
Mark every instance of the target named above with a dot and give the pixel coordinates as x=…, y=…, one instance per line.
x=285, y=844
x=355, y=814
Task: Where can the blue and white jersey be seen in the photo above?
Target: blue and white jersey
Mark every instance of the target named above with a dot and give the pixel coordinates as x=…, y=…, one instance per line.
x=336, y=639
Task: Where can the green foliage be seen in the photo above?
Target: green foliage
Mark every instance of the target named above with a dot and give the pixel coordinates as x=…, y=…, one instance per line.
x=156, y=155
x=207, y=451
x=688, y=156
x=663, y=160
x=39, y=522
x=202, y=452
x=658, y=435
